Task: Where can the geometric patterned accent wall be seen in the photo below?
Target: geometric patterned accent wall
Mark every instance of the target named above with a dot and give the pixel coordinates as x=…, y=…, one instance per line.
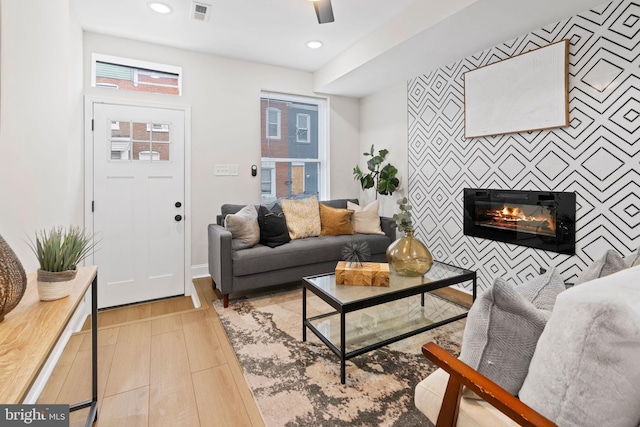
x=597, y=156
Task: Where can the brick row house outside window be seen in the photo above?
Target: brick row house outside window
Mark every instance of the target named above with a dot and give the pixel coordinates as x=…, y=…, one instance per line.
x=290, y=149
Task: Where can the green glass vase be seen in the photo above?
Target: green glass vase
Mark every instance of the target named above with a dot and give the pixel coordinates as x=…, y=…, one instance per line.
x=408, y=256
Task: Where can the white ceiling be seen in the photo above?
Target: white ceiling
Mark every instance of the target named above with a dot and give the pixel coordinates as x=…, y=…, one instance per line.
x=371, y=45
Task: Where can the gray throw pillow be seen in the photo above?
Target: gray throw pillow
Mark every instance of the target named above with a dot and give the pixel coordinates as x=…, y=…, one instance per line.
x=244, y=228
x=610, y=262
x=632, y=259
x=542, y=291
x=585, y=369
x=503, y=327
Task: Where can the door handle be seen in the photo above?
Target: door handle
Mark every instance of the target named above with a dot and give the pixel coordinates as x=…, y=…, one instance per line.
x=178, y=217
x=178, y=204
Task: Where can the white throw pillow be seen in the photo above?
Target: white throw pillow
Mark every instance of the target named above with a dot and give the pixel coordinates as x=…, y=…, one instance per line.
x=365, y=219
x=585, y=370
x=244, y=228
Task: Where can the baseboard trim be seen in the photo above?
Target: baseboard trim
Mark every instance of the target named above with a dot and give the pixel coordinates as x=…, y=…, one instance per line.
x=200, y=270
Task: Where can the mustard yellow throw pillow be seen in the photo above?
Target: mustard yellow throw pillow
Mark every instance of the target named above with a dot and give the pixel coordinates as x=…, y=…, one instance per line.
x=303, y=217
x=335, y=221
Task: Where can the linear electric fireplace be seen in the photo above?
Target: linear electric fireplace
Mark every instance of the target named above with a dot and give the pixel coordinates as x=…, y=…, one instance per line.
x=537, y=219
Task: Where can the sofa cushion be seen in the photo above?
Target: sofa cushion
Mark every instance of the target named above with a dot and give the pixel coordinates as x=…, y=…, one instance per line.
x=303, y=217
x=335, y=221
x=585, y=369
x=610, y=262
x=310, y=250
x=365, y=219
x=339, y=203
x=503, y=327
x=273, y=227
x=244, y=228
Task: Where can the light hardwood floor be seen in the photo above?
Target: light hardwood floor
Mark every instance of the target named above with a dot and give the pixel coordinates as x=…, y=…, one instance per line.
x=159, y=364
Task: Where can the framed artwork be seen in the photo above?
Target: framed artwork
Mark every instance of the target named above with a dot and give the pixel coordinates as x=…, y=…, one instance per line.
x=527, y=92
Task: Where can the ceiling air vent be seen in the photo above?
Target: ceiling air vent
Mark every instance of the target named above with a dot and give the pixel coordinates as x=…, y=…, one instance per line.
x=200, y=11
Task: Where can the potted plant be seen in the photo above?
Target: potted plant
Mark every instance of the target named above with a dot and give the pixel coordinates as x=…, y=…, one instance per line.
x=407, y=256
x=383, y=178
x=59, y=251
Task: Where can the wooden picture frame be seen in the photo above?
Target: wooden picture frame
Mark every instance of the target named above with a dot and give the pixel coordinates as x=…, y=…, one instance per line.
x=523, y=93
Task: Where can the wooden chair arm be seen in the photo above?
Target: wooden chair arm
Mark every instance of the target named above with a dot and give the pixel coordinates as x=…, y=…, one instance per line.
x=461, y=374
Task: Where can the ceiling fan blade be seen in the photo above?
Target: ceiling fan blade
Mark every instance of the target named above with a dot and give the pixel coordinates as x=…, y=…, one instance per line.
x=324, y=11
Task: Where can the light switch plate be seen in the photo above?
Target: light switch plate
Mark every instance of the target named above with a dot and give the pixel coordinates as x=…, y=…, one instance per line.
x=221, y=169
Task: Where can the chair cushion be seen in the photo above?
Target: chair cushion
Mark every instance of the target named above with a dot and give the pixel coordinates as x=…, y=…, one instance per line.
x=503, y=327
x=585, y=371
x=244, y=228
x=303, y=217
x=473, y=413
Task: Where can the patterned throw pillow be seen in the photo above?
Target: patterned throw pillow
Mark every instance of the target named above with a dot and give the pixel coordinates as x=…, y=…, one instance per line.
x=335, y=221
x=303, y=217
x=244, y=228
x=503, y=327
x=365, y=219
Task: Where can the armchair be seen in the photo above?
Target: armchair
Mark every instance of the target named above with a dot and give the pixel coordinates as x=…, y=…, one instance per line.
x=460, y=374
x=584, y=371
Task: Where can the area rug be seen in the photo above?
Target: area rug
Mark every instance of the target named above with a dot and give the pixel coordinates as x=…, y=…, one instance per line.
x=297, y=383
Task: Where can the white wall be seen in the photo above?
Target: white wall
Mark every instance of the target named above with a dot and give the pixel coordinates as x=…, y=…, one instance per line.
x=383, y=123
x=41, y=174
x=224, y=97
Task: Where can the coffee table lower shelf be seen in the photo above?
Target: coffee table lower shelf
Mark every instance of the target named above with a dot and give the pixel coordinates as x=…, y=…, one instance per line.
x=344, y=355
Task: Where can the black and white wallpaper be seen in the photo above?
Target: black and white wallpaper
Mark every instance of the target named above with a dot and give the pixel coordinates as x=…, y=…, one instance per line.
x=597, y=156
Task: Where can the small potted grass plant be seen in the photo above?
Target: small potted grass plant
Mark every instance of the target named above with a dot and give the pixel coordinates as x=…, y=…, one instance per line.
x=59, y=251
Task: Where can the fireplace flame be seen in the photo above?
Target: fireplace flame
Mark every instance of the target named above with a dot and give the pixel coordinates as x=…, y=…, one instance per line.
x=515, y=216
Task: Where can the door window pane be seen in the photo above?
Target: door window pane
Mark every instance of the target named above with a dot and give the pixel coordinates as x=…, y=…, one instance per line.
x=120, y=140
x=147, y=142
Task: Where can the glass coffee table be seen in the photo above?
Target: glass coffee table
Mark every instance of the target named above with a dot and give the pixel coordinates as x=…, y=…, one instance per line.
x=359, y=319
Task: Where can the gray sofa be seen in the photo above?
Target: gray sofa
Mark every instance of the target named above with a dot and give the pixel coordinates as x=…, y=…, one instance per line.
x=261, y=266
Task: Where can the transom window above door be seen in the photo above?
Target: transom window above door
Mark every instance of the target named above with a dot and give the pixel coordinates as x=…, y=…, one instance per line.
x=131, y=74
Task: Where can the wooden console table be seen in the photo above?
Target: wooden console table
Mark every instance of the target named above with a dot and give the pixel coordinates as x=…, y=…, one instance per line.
x=29, y=333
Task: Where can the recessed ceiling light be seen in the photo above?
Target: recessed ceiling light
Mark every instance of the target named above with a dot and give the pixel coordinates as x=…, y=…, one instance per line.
x=314, y=44
x=159, y=7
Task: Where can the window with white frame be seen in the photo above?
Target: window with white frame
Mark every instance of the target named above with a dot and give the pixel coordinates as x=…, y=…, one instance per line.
x=266, y=179
x=273, y=119
x=303, y=122
x=295, y=164
x=135, y=75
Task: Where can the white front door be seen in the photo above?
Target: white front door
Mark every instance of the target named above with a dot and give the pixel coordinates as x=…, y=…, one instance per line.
x=138, y=202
